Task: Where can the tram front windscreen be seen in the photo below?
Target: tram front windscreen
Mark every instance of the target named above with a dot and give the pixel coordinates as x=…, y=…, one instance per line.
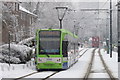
x=49, y=42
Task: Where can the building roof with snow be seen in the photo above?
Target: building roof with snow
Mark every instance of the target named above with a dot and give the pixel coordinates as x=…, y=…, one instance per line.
x=25, y=10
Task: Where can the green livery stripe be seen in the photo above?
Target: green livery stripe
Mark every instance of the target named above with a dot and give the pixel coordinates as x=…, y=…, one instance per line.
x=49, y=65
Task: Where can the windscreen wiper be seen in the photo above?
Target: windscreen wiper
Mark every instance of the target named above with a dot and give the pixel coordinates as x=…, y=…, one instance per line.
x=47, y=55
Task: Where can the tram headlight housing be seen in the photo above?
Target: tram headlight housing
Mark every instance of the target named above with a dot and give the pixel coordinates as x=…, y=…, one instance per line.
x=58, y=60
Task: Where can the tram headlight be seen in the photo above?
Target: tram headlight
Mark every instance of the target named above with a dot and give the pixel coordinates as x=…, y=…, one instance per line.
x=58, y=60
x=39, y=60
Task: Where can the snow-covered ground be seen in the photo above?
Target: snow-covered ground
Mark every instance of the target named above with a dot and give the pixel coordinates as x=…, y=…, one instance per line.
x=17, y=70
x=98, y=70
x=0, y=74
x=41, y=74
x=112, y=63
x=76, y=71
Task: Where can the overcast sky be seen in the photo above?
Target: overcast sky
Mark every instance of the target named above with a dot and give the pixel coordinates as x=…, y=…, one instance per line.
x=62, y=0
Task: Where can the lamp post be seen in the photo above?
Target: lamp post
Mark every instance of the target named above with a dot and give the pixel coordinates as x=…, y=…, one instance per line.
x=9, y=46
x=110, y=28
x=118, y=22
x=107, y=39
x=61, y=13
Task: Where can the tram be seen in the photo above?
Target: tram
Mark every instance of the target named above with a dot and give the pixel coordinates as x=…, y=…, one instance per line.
x=56, y=49
x=95, y=42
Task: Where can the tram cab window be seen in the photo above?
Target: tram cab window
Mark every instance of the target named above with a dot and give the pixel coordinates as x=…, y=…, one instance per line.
x=64, y=48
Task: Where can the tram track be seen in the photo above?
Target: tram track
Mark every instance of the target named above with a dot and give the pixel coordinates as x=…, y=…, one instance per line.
x=42, y=71
x=86, y=77
x=72, y=65
x=36, y=73
x=106, y=67
x=83, y=52
x=90, y=66
x=50, y=75
x=25, y=76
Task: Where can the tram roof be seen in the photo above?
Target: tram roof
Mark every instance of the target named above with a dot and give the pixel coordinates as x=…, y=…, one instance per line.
x=68, y=32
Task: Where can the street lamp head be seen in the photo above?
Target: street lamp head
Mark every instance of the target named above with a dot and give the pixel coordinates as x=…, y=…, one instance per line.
x=61, y=12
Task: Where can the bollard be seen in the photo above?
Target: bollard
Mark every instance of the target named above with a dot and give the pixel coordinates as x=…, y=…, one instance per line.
x=23, y=66
x=8, y=68
x=13, y=68
x=27, y=64
x=30, y=64
x=2, y=68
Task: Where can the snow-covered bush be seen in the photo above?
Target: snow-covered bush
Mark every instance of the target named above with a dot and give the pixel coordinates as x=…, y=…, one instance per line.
x=28, y=42
x=18, y=53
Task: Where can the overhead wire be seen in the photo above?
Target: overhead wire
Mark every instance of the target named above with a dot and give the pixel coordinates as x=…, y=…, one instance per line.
x=100, y=7
x=104, y=4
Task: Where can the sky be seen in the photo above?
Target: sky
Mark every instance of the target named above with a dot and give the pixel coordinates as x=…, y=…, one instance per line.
x=61, y=0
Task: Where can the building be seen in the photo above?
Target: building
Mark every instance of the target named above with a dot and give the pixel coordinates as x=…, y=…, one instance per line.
x=16, y=20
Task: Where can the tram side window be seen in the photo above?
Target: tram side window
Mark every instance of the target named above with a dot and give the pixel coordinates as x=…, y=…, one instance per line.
x=69, y=46
x=65, y=48
x=73, y=47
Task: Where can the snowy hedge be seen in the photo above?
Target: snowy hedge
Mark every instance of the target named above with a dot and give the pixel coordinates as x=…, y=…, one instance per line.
x=28, y=42
x=18, y=53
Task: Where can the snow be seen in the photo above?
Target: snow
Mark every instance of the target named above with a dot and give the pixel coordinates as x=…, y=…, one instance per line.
x=18, y=53
x=112, y=63
x=23, y=9
x=98, y=75
x=76, y=71
x=80, y=67
x=0, y=74
x=98, y=70
x=26, y=40
x=41, y=74
x=82, y=50
x=16, y=70
x=19, y=71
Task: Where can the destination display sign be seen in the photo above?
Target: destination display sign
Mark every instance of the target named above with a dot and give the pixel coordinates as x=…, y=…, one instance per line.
x=49, y=33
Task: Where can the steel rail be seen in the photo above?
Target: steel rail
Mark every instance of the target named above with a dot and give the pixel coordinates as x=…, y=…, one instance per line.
x=35, y=73
x=106, y=67
x=90, y=66
x=50, y=75
x=25, y=76
x=47, y=76
x=83, y=52
x=59, y=71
